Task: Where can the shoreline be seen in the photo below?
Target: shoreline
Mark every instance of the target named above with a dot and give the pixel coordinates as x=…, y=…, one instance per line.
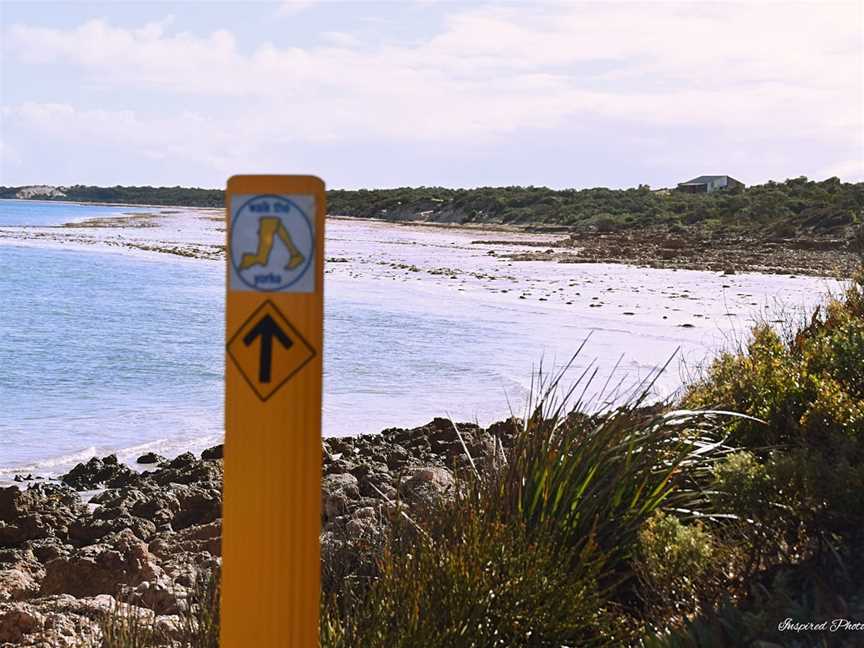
x=110, y=204
x=646, y=248
x=163, y=520
x=625, y=310
x=727, y=255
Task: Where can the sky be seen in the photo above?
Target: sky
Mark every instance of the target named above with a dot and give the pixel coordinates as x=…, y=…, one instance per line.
x=430, y=93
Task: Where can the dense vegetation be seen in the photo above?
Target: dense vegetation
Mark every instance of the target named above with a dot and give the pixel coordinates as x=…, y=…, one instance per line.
x=539, y=551
x=662, y=526
x=655, y=528
x=795, y=484
x=185, y=196
x=778, y=209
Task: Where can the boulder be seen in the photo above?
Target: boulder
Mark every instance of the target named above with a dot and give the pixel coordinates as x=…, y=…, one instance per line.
x=216, y=452
x=377, y=485
x=425, y=486
x=45, y=549
x=88, y=529
x=337, y=466
x=187, y=469
x=362, y=528
x=199, y=504
x=18, y=584
x=16, y=623
x=99, y=472
x=56, y=621
x=396, y=457
x=183, y=460
x=42, y=511
x=337, y=493
x=203, y=539
x=148, y=501
x=161, y=596
x=122, y=560
x=151, y=458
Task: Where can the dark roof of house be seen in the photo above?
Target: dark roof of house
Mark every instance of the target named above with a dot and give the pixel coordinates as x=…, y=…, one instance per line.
x=706, y=179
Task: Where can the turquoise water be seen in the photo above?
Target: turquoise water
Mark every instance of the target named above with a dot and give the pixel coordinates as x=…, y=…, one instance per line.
x=46, y=212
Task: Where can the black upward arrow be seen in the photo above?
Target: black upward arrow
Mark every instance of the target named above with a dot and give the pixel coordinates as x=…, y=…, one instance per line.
x=266, y=329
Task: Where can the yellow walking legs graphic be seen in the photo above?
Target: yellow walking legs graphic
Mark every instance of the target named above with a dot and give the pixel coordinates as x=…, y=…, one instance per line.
x=268, y=227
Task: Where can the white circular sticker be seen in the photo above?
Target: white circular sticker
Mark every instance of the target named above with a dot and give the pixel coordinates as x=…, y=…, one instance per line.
x=272, y=243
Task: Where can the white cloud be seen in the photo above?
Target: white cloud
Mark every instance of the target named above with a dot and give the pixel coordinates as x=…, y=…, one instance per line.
x=9, y=157
x=498, y=69
x=753, y=72
x=340, y=39
x=184, y=136
x=291, y=7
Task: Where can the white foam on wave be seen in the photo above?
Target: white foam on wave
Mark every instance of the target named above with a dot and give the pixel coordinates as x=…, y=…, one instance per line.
x=54, y=467
x=51, y=463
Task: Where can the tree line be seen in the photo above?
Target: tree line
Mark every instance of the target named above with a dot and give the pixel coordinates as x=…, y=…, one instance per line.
x=795, y=206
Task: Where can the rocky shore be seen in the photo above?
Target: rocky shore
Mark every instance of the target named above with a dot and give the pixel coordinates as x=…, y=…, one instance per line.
x=69, y=556
x=687, y=250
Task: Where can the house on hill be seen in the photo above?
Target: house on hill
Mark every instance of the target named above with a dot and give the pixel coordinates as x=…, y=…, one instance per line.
x=709, y=184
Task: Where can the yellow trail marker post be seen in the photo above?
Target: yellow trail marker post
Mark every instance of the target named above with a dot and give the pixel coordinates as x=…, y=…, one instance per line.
x=274, y=316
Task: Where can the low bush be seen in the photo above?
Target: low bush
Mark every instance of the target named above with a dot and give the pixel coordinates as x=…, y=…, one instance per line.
x=541, y=549
x=796, y=490
x=675, y=562
x=809, y=390
x=647, y=526
x=471, y=582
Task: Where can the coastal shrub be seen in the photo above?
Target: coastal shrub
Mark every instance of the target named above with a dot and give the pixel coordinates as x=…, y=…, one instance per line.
x=809, y=391
x=468, y=581
x=776, y=612
x=795, y=491
x=599, y=479
x=674, y=562
x=761, y=382
x=746, y=488
x=540, y=549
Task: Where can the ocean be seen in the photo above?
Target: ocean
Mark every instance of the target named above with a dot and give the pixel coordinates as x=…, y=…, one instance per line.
x=33, y=213
x=105, y=347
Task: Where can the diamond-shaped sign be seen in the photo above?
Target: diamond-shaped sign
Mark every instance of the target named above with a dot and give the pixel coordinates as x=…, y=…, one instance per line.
x=268, y=351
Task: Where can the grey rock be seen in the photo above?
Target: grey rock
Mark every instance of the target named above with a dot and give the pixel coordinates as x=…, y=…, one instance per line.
x=42, y=511
x=216, y=452
x=426, y=486
x=151, y=458
x=99, y=472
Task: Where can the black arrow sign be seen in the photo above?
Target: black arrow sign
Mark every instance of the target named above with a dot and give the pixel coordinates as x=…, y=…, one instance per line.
x=266, y=329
